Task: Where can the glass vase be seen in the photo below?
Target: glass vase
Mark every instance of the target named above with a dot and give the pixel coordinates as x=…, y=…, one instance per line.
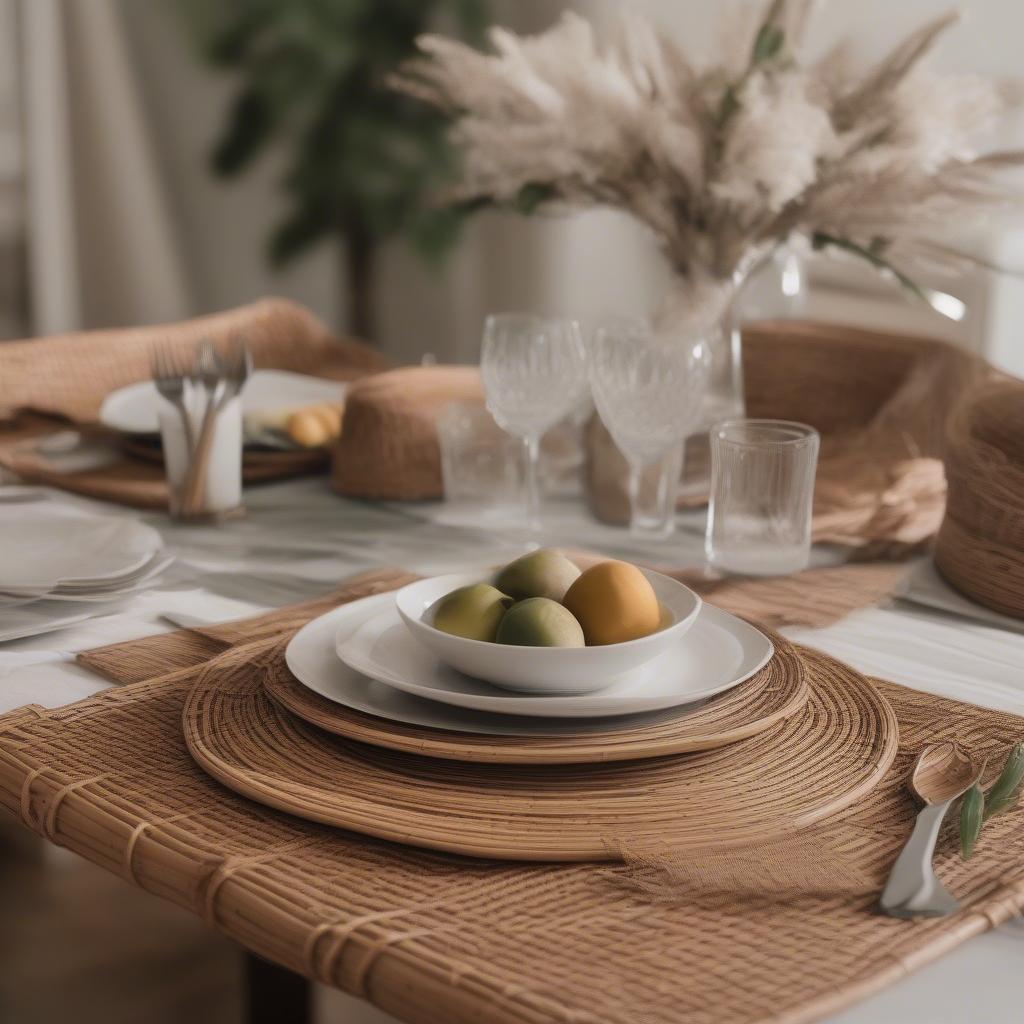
x=769, y=287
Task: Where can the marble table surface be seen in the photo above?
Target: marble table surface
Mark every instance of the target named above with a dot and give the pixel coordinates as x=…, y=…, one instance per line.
x=299, y=540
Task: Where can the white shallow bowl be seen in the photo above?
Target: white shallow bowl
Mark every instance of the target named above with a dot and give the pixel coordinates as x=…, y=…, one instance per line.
x=540, y=670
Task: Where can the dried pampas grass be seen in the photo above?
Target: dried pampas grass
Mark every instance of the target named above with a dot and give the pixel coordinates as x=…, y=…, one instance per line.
x=723, y=163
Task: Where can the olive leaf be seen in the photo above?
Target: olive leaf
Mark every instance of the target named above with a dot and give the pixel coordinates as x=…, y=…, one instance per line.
x=1004, y=789
x=971, y=816
x=978, y=806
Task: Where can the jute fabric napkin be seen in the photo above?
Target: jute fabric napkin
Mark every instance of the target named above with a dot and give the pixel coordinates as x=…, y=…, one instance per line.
x=438, y=939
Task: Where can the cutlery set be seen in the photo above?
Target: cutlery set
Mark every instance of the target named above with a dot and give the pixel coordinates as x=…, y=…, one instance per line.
x=200, y=393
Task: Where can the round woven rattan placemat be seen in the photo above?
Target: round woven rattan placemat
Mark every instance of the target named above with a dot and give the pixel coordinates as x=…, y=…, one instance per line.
x=772, y=694
x=801, y=770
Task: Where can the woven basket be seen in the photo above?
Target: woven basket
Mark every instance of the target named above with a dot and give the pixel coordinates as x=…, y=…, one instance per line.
x=389, y=448
x=866, y=392
x=980, y=548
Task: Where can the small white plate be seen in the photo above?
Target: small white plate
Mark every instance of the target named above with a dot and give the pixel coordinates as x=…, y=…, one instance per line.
x=44, y=545
x=37, y=618
x=716, y=654
x=545, y=671
x=133, y=410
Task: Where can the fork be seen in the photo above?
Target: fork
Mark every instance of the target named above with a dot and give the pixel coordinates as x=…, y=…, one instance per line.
x=169, y=375
x=222, y=382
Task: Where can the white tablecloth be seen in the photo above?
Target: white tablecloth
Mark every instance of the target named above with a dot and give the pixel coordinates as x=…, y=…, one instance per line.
x=299, y=540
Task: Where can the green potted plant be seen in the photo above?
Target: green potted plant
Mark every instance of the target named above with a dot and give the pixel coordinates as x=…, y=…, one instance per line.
x=362, y=159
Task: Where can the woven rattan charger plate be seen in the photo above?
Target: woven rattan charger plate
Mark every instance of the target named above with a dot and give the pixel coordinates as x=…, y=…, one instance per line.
x=776, y=692
x=797, y=772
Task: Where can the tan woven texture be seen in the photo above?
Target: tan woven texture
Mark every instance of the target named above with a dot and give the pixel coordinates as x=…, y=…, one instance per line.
x=980, y=548
x=389, y=447
x=68, y=376
x=880, y=402
x=438, y=939
x=777, y=692
x=826, y=756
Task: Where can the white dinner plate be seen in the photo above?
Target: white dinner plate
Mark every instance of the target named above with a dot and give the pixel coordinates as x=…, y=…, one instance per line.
x=40, y=617
x=46, y=545
x=312, y=659
x=133, y=410
x=717, y=653
x=108, y=593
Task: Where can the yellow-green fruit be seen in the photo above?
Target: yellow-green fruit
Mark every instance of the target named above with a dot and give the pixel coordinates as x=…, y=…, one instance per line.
x=540, y=622
x=471, y=612
x=545, y=573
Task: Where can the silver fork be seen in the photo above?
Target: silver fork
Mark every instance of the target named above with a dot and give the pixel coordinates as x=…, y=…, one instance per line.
x=222, y=385
x=169, y=375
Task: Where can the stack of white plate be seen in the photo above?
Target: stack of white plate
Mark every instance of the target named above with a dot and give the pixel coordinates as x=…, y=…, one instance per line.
x=364, y=657
x=59, y=565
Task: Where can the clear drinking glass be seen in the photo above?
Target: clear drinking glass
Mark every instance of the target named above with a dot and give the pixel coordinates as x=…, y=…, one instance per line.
x=533, y=371
x=762, y=490
x=481, y=465
x=649, y=391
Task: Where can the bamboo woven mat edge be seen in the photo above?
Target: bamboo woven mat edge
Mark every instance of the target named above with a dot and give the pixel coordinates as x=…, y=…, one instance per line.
x=36, y=793
x=1004, y=901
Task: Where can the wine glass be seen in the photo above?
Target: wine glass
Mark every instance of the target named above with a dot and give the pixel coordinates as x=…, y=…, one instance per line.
x=649, y=391
x=534, y=374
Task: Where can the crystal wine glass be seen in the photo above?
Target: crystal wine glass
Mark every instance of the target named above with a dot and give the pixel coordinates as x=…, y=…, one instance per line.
x=649, y=390
x=534, y=374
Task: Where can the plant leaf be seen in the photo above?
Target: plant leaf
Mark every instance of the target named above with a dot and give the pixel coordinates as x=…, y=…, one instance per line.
x=1005, y=788
x=821, y=240
x=971, y=817
x=249, y=128
x=769, y=43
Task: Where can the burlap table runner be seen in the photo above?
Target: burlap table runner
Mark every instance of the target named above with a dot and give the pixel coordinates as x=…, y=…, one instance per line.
x=65, y=378
x=437, y=939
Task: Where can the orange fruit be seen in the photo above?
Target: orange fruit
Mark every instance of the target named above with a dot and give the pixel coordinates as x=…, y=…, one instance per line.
x=613, y=602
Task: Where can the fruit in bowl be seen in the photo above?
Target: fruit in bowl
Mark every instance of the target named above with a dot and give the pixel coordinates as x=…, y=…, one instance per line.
x=544, y=573
x=473, y=612
x=614, y=603
x=539, y=622
x=544, y=600
x=619, y=619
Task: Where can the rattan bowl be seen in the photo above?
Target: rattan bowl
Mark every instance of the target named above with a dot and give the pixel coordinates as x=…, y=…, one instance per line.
x=545, y=670
x=980, y=548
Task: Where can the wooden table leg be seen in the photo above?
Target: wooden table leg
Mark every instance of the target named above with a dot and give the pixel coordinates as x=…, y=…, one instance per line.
x=274, y=995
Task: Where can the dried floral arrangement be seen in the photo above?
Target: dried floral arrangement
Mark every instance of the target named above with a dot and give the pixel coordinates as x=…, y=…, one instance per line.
x=723, y=163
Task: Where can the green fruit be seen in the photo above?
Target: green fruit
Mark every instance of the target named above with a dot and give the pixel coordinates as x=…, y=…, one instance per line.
x=545, y=573
x=540, y=622
x=471, y=612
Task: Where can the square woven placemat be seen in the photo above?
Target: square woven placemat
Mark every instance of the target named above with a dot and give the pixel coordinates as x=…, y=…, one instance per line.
x=437, y=939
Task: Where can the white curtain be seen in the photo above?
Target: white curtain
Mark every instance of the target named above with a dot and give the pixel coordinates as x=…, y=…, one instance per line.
x=102, y=249
x=13, y=301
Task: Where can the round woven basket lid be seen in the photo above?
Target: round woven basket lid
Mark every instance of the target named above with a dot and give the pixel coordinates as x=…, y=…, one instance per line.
x=801, y=770
x=770, y=695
